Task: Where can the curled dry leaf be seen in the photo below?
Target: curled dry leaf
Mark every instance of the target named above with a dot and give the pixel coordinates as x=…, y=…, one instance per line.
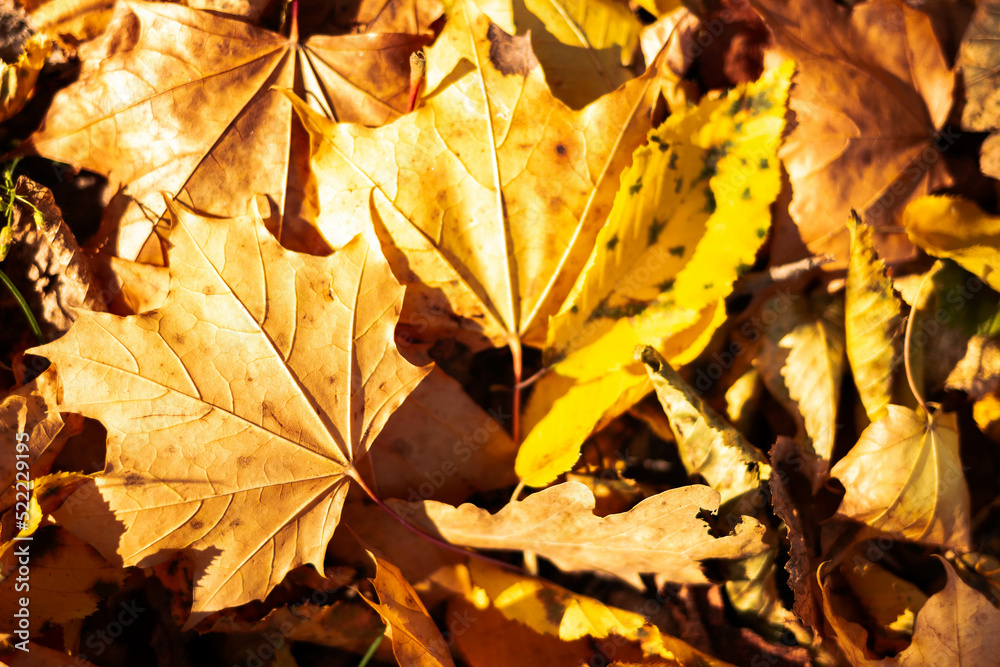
x=661, y=535
x=873, y=91
x=236, y=410
x=956, y=626
x=872, y=322
x=415, y=637
x=905, y=477
x=708, y=445
x=172, y=99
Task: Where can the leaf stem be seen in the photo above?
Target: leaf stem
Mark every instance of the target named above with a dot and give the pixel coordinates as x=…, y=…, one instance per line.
x=906, y=346
x=515, y=424
x=35, y=329
x=356, y=476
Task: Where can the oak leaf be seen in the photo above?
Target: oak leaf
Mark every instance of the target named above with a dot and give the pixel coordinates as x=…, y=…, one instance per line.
x=177, y=100
x=490, y=195
x=904, y=477
x=676, y=240
x=236, y=411
x=873, y=91
x=661, y=535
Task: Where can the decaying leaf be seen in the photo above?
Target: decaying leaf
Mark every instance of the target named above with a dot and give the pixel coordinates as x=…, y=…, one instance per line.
x=172, y=99
x=978, y=59
x=416, y=639
x=872, y=93
x=802, y=362
x=500, y=231
x=236, y=410
x=708, y=445
x=957, y=625
x=17, y=80
x=872, y=322
x=661, y=535
x=905, y=477
x=661, y=267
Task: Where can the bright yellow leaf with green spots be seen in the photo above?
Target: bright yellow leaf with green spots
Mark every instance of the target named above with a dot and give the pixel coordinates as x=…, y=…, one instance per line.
x=691, y=213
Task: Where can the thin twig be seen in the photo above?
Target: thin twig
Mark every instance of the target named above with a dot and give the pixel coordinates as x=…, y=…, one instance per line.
x=906, y=345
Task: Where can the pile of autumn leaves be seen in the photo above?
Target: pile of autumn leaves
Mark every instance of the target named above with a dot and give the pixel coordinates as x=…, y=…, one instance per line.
x=292, y=246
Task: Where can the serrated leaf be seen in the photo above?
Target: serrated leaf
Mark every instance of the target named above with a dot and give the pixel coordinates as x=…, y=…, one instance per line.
x=871, y=322
x=708, y=445
x=520, y=185
x=904, y=477
x=661, y=535
x=661, y=267
x=236, y=410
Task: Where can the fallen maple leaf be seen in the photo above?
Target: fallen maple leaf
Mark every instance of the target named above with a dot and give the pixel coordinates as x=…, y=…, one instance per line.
x=235, y=411
x=492, y=191
x=662, y=534
x=868, y=102
x=177, y=100
x=905, y=477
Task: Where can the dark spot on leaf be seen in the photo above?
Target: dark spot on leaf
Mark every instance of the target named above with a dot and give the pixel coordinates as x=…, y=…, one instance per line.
x=612, y=243
x=709, y=285
x=510, y=55
x=672, y=164
x=132, y=480
x=574, y=309
x=660, y=143
x=761, y=233
x=710, y=204
x=742, y=269
x=654, y=230
x=746, y=193
x=243, y=462
x=635, y=188
x=560, y=149
x=712, y=157
x=666, y=285
x=196, y=524
x=678, y=185
x=631, y=308
x=677, y=251
x=764, y=164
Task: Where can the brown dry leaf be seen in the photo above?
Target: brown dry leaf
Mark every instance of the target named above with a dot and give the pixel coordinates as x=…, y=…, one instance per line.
x=236, y=410
x=67, y=580
x=978, y=59
x=172, y=99
x=872, y=92
x=905, y=477
x=956, y=626
x=415, y=637
x=53, y=273
x=521, y=184
x=662, y=534
x=350, y=625
x=440, y=445
x=31, y=410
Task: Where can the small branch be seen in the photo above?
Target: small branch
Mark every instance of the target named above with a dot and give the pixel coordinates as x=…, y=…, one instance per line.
x=418, y=65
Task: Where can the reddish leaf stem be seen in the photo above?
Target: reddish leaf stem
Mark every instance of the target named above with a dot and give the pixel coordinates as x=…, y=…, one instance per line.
x=356, y=476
